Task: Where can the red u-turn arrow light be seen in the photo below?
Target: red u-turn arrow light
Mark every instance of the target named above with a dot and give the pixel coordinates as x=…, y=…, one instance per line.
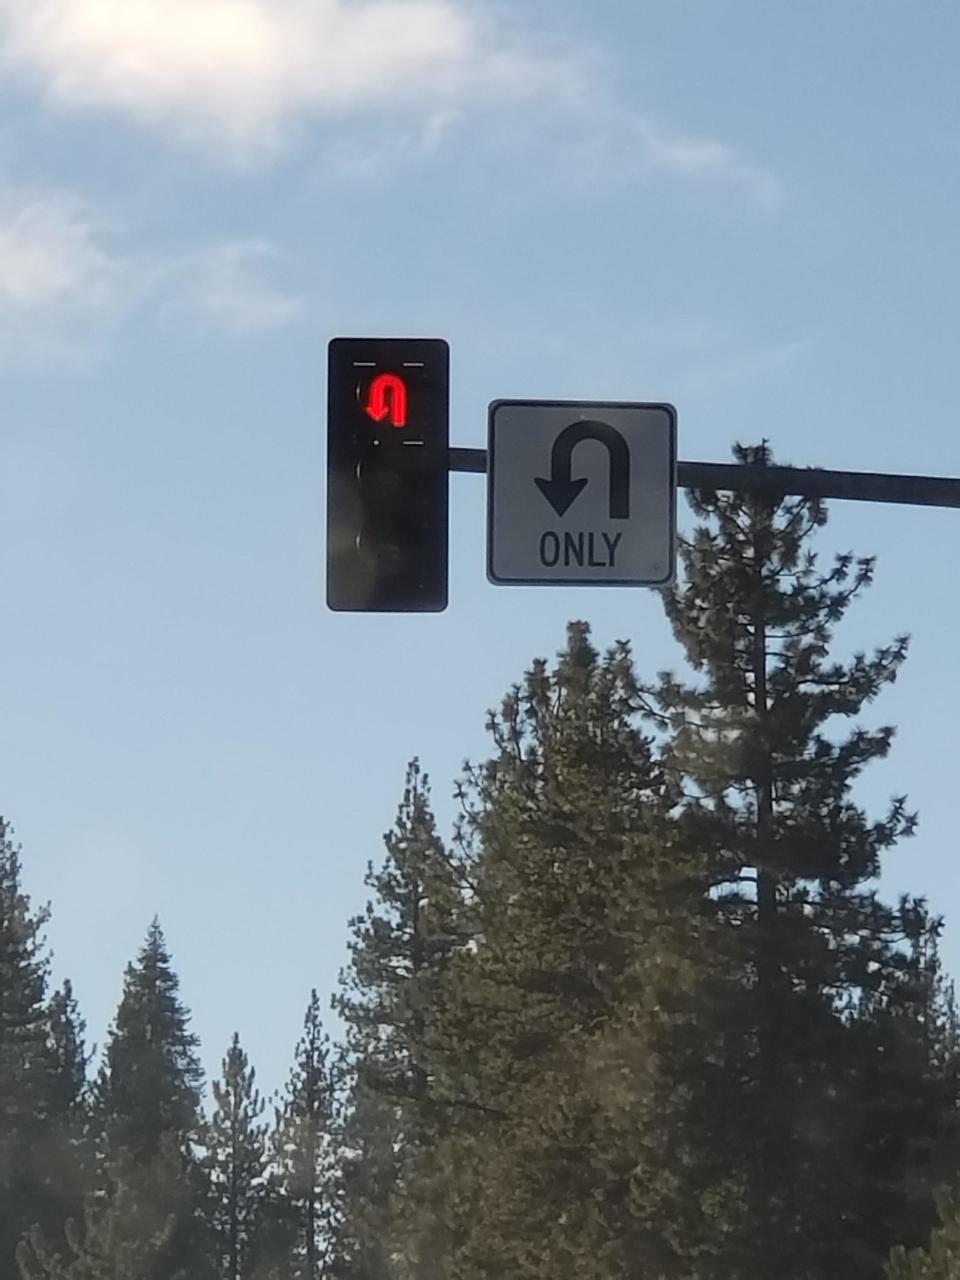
x=388, y=399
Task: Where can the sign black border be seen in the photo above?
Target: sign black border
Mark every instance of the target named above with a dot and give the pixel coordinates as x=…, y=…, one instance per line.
x=589, y=408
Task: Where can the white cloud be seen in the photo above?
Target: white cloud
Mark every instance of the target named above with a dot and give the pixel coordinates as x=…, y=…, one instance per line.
x=242, y=77
x=51, y=250
x=65, y=278
x=59, y=280
x=242, y=72
x=617, y=145
x=230, y=288
x=373, y=153
x=701, y=158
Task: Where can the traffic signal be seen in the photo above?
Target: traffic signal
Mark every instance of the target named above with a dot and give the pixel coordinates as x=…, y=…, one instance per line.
x=388, y=434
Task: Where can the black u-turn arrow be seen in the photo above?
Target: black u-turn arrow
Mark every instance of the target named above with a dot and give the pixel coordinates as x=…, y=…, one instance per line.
x=561, y=490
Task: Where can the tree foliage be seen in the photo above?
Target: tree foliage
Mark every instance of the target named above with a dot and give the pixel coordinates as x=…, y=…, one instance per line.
x=235, y=1141
x=304, y=1150
x=813, y=965
x=941, y=1261
x=144, y=1216
x=41, y=1069
x=151, y=1081
x=550, y=1016
x=389, y=999
x=127, y=1229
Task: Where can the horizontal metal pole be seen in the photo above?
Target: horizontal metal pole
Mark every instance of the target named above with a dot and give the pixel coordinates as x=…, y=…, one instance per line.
x=808, y=482
x=468, y=460
x=812, y=482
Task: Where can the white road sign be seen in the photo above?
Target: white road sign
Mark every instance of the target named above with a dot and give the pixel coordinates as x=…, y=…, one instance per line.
x=581, y=493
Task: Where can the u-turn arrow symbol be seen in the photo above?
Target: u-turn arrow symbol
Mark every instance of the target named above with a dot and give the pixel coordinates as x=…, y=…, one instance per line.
x=561, y=490
x=388, y=399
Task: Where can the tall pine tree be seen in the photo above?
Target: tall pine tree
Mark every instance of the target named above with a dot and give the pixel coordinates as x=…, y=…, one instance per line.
x=151, y=1080
x=65, y=1154
x=790, y=860
x=28, y=1180
x=237, y=1158
x=150, y=1200
x=304, y=1151
x=558, y=1162
x=399, y=952
x=147, y=1107
x=68, y=1052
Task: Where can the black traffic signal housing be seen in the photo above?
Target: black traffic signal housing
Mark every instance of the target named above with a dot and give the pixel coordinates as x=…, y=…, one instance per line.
x=388, y=435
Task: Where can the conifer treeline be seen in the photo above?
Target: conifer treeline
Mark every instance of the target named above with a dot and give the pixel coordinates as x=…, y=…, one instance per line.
x=643, y=1017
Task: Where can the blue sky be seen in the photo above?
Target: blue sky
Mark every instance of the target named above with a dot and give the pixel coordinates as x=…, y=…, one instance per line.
x=748, y=210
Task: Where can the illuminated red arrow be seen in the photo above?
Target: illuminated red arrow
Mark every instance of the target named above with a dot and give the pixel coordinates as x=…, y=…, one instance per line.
x=388, y=398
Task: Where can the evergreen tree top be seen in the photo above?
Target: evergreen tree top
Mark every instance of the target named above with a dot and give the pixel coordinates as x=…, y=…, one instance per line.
x=24, y=974
x=312, y=1049
x=151, y=1079
x=70, y=1057
x=411, y=924
x=235, y=1093
x=23, y=924
x=756, y=614
x=151, y=1003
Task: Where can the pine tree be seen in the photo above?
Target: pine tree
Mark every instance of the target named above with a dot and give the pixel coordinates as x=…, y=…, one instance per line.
x=941, y=1261
x=68, y=1053
x=304, y=1153
x=910, y=1083
x=151, y=1081
x=25, y=1069
x=276, y=1233
x=400, y=949
x=148, y=1107
x=558, y=1161
x=127, y=1229
x=368, y=1168
x=65, y=1153
x=789, y=860
x=236, y=1146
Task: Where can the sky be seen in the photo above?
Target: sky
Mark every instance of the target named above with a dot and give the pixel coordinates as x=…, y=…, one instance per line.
x=747, y=210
